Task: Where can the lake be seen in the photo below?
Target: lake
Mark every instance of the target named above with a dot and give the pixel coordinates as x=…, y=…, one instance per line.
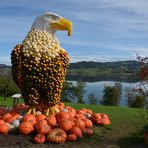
x=97, y=89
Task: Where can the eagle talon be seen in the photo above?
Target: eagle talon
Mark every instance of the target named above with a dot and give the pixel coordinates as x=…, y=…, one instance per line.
x=32, y=110
x=51, y=110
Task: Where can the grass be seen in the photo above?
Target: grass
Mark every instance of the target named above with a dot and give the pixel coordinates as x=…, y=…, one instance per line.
x=125, y=129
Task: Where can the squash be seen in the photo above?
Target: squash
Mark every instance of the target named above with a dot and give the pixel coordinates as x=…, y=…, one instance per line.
x=12, y=118
x=79, y=123
x=105, y=121
x=6, y=115
x=56, y=136
x=96, y=117
x=26, y=127
x=40, y=117
x=11, y=127
x=30, y=118
x=71, y=137
x=2, y=121
x=66, y=124
x=88, y=123
x=80, y=116
x=39, y=139
x=62, y=115
x=4, y=128
x=51, y=120
x=44, y=129
x=15, y=123
x=40, y=124
x=88, y=131
x=77, y=131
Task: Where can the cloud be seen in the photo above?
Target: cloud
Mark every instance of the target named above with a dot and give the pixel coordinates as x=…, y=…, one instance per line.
x=114, y=29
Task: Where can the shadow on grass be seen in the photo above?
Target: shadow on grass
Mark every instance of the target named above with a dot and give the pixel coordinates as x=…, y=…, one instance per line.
x=134, y=140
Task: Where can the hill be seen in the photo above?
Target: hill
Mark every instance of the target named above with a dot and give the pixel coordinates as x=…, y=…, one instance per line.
x=97, y=71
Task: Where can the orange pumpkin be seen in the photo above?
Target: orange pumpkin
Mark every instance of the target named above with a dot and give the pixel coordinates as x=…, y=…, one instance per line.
x=2, y=121
x=12, y=118
x=40, y=117
x=40, y=123
x=71, y=111
x=51, y=120
x=29, y=118
x=4, y=128
x=25, y=128
x=44, y=129
x=89, y=111
x=80, y=116
x=71, y=137
x=56, y=136
x=88, y=123
x=105, y=116
x=79, y=123
x=6, y=115
x=66, y=124
x=105, y=121
x=77, y=131
x=62, y=115
x=39, y=139
x=96, y=117
x=88, y=131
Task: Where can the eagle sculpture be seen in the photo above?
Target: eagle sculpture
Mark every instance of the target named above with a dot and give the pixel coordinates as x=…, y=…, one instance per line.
x=39, y=63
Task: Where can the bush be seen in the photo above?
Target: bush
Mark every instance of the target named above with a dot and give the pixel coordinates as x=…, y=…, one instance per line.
x=92, y=99
x=111, y=94
x=135, y=100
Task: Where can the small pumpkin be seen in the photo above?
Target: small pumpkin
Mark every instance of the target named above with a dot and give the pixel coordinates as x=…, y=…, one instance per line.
x=88, y=123
x=80, y=116
x=96, y=117
x=105, y=121
x=71, y=137
x=105, y=116
x=88, y=131
x=25, y=127
x=6, y=115
x=2, y=121
x=29, y=118
x=79, y=123
x=11, y=127
x=4, y=128
x=51, y=120
x=62, y=115
x=44, y=129
x=40, y=117
x=39, y=139
x=66, y=124
x=12, y=118
x=15, y=123
x=40, y=124
x=77, y=131
x=89, y=111
x=56, y=136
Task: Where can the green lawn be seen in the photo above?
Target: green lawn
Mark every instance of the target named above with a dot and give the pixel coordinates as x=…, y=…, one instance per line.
x=125, y=129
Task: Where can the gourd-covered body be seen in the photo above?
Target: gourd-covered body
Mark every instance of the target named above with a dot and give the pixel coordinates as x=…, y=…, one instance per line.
x=39, y=66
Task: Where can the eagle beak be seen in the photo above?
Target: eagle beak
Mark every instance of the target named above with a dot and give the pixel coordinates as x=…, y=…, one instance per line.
x=63, y=24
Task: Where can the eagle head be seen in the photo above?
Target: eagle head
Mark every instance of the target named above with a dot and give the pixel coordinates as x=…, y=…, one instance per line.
x=52, y=22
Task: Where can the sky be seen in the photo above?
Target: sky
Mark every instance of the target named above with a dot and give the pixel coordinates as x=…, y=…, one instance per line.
x=103, y=30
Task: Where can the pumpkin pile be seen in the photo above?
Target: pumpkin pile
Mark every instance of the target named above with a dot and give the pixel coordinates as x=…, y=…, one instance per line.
x=67, y=124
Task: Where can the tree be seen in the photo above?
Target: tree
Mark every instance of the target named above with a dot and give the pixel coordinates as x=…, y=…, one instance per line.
x=92, y=98
x=111, y=94
x=73, y=91
x=142, y=87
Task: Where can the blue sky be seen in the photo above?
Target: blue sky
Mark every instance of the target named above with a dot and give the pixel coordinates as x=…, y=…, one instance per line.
x=103, y=30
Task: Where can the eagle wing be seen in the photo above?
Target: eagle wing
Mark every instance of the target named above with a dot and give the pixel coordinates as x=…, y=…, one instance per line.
x=16, y=64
